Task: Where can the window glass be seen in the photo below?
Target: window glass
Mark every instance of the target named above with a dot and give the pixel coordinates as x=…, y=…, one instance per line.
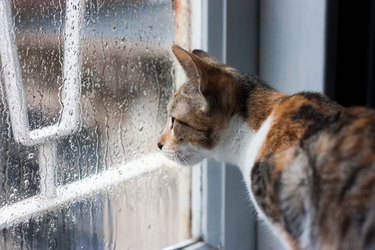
x=113, y=190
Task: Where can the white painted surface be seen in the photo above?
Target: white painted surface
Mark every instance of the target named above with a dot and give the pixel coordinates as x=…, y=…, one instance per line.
x=292, y=44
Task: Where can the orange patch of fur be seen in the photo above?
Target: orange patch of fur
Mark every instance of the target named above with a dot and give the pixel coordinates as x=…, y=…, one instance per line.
x=286, y=132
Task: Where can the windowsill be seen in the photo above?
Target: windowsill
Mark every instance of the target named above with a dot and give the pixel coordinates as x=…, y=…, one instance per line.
x=192, y=244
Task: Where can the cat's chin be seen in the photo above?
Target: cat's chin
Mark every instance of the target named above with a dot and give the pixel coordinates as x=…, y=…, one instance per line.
x=184, y=160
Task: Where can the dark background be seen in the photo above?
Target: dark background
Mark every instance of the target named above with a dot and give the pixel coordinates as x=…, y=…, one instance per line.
x=350, y=52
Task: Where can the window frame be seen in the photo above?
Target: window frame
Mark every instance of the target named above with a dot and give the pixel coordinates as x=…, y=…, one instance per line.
x=215, y=185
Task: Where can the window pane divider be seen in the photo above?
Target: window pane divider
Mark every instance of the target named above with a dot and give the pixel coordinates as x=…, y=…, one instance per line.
x=35, y=206
x=70, y=94
x=69, y=120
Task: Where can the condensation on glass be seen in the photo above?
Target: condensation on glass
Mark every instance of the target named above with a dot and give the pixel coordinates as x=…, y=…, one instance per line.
x=126, y=80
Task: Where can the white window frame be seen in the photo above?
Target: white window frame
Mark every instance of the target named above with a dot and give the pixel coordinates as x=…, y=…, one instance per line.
x=223, y=217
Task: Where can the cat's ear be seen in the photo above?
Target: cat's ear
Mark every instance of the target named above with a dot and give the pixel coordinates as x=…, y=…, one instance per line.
x=196, y=69
x=191, y=67
x=207, y=57
x=214, y=83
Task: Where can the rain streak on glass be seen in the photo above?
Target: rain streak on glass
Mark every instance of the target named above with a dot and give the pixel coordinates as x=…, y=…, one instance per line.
x=126, y=81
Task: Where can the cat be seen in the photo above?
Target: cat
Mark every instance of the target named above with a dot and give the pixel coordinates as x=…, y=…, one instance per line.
x=308, y=162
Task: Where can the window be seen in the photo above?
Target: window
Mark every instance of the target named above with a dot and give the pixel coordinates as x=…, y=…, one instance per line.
x=83, y=93
x=84, y=85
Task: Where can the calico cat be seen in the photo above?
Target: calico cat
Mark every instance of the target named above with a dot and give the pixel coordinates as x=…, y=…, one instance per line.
x=308, y=163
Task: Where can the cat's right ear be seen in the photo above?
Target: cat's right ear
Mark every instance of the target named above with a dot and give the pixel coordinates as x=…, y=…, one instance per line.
x=207, y=57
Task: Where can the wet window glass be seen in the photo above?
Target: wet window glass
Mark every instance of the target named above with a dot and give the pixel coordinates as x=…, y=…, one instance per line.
x=84, y=87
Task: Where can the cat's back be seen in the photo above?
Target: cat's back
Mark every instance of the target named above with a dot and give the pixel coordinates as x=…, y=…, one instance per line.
x=342, y=157
x=314, y=122
x=349, y=137
x=339, y=149
x=322, y=157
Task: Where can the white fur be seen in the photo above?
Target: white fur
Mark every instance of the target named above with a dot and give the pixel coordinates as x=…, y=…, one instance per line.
x=234, y=140
x=240, y=145
x=252, y=151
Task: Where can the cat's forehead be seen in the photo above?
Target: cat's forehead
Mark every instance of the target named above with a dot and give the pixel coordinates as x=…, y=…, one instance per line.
x=181, y=103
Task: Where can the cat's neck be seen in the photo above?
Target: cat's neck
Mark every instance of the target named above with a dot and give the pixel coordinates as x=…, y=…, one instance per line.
x=240, y=143
x=255, y=100
x=233, y=141
x=246, y=132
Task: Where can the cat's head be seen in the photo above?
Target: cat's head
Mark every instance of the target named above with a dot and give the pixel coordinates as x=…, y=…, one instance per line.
x=200, y=110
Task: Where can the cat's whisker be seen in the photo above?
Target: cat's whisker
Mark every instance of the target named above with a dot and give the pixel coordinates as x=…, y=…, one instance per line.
x=177, y=156
x=187, y=161
x=183, y=158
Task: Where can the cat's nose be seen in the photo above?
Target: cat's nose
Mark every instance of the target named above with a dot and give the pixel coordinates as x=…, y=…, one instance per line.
x=160, y=146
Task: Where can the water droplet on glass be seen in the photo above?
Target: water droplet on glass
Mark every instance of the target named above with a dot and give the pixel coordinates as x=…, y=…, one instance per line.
x=12, y=197
x=27, y=183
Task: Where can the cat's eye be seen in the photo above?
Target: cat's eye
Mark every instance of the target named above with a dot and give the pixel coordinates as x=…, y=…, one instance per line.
x=172, y=120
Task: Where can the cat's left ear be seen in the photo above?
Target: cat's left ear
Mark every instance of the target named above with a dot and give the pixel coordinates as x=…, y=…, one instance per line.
x=214, y=83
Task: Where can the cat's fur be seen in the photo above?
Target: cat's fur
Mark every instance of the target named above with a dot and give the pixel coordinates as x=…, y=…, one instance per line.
x=309, y=163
